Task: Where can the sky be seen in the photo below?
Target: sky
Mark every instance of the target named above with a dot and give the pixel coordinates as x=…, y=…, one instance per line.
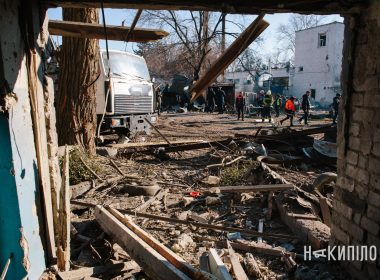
x=269, y=46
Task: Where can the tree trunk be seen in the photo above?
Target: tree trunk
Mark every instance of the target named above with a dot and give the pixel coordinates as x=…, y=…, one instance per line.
x=76, y=100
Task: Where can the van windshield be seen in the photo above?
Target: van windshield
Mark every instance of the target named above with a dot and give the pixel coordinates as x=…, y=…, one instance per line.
x=125, y=65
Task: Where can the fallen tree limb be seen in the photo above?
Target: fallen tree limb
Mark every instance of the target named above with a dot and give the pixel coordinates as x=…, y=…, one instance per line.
x=197, y=224
x=116, y=167
x=90, y=170
x=153, y=264
x=158, y=196
x=225, y=164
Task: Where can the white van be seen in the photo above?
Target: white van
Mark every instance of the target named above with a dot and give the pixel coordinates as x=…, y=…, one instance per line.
x=131, y=98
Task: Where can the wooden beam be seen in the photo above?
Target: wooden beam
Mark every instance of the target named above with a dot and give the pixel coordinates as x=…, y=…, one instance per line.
x=153, y=264
x=257, y=188
x=226, y=6
x=233, y=51
x=174, y=259
x=133, y=25
x=96, y=31
x=236, y=265
x=197, y=224
x=217, y=266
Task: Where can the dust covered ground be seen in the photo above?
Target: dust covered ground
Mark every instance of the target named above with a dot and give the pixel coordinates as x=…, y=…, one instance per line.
x=188, y=180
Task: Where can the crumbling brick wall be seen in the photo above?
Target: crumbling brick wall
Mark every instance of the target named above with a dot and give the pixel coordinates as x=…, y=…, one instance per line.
x=356, y=213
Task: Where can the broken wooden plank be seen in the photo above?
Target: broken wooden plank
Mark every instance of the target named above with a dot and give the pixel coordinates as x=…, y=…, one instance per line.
x=90, y=170
x=236, y=266
x=217, y=266
x=113, y=163
x=252, y=267
x=158, y=196
x=96, y=31
x=63, y=246
x=233, y=51
x=197, y=224
x=153, y=263
x=256, y=188
x=84, y=272
x=174, y=259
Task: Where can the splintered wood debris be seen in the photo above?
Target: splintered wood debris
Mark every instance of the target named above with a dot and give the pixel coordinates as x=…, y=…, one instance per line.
x=176, y=218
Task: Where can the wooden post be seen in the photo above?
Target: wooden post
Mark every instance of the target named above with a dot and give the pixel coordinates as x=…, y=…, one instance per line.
x=237, y=47
x=63, y=247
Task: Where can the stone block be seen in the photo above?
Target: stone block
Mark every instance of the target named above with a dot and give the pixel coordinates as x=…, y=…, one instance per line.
x=339, y=234
x=376, y=149
x=357, y=217
x=354, y=129
x=354, y=201
x=375, y=182
x=352, y=157
x=342, y=209
x=361, y=191
x=362, y=176
x=354, y=143
x=351, y=171
x=358, y=99
x=374, y=165
x=374, y=199
x=373, y=213
x=363, y=161
x=369, y=225
x=356, y=232
x=346, y=183
x=376, y=135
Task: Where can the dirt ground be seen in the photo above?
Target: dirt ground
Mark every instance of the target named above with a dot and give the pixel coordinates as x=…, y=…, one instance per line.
x=180, y=174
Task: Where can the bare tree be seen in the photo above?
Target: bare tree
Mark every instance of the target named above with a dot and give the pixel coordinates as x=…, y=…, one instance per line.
x=79, y=58
x=193, y=31
x=287, y=32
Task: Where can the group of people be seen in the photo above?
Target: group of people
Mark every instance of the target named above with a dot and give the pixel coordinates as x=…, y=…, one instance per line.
x=215, y=97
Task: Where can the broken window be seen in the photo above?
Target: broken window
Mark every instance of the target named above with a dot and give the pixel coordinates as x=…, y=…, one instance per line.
x=312, y=93
x=322, y=40
x=300, y=69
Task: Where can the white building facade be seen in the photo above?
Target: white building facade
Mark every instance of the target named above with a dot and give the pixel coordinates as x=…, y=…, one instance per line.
x=318, y=62
x=243, y=80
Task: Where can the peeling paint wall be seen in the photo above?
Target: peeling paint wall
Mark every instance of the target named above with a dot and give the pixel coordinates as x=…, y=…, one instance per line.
x=20, y=217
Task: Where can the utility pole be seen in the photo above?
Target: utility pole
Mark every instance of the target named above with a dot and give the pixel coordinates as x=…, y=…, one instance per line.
x=223, y=45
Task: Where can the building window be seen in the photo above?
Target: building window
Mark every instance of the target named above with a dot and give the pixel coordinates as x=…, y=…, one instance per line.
x=322, y=40
x=300, y=69
x=237, y=81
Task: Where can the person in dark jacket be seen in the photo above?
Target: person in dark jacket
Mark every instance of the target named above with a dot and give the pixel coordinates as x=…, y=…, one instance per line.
x=240, y=104
x=220, y=96
x=305, y=107
x=335, y=105
x=210, y=100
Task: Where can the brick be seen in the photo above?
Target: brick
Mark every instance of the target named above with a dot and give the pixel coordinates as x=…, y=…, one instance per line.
x=366, y=141
x=370, y=225
x=354, y=129
x=374, y=199
x=342, y=209
x=354, y=143
x=362, y=162
x=352, y=157
x=362, y=176
x=351, y=171
x=376, y=149
x=373, y=213
x=357, y=99
x=375, y=181
x=339, y=234
x=346, y=183
x=354, y=201
x=361, y=191
x=373, y=271
x=373, y=240
x=374, y=165
x=356, y=232
x=357, y=217
x=376, y=135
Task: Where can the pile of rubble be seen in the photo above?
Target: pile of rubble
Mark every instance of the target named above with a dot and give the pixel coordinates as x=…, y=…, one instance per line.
x=238, y=208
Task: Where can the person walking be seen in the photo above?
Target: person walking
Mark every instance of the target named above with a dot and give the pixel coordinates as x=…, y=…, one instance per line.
x=277, y=105
x=158, y=100
x=267, y=103
x=305, y=107
x=240, y=105
x=289, y=110
x=335, y=104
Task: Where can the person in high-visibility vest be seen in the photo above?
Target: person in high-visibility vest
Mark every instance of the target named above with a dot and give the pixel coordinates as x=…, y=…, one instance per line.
x=267, y=103
x=289, y=110
x=277, y=105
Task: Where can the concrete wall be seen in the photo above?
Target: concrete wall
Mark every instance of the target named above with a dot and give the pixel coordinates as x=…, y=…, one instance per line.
x=242, y=76
x=321, y=65
x=356, y=212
